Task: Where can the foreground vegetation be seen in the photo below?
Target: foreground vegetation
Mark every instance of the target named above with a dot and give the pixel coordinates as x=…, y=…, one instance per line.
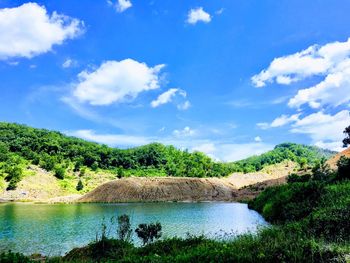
x=70, y=158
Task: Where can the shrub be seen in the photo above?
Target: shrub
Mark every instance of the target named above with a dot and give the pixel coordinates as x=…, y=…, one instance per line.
x=79, y=186
x=14, y=175
x=59, y=172
x=149, y=232
x=332, y=223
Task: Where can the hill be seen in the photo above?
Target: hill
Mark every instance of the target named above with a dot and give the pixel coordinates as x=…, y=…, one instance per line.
x=304, y=155
x=78, y=166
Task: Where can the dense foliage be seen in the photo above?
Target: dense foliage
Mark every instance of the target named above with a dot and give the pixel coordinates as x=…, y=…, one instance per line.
x=302, y=154
x=322, y=203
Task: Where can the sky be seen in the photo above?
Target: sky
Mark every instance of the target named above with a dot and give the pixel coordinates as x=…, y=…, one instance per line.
x=230, y=78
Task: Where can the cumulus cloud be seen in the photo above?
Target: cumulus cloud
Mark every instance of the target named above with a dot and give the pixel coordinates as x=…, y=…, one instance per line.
x=323, y=127
x=198, y=15
x=115, y=82
x=186, y=132
x=325, y=130
x=28, y=30
x=334, y=90
x=331, y=62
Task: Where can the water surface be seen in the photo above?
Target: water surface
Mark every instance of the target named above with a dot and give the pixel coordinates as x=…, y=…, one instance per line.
x=55, y=229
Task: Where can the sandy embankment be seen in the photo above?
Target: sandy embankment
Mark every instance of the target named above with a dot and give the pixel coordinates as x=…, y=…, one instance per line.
x=44, y=187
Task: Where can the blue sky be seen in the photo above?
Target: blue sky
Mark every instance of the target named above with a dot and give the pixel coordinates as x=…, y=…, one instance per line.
x=229, y=78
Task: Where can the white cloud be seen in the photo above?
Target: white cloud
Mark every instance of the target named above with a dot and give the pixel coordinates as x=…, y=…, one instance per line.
x=279, y=121
x=258, y=139
x=164, y=98
x=330, y=61
x=110, y=139
x=325, y=130
x=334, y=90
x=28, y=30
x=323, y=127
x=198, y=15
x=116, y=81
x=283, y=120
x=206, y=148
x=120, y=5
x=187, y=131
x=169, y=96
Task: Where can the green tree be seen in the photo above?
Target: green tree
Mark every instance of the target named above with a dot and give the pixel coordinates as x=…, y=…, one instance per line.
x=321, y=171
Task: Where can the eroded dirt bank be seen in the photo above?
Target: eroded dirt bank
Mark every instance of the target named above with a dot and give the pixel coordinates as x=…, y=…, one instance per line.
x=174, y=189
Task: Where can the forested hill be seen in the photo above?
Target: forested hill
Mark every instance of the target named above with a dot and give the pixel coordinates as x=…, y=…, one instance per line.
x=56, y=152
x=53, y=151
x=304, y=155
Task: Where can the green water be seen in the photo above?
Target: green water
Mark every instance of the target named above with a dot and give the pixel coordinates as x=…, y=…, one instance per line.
x=55, y=229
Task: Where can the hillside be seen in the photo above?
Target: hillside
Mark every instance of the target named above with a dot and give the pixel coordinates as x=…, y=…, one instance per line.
x=304, y=155
x=32, y=161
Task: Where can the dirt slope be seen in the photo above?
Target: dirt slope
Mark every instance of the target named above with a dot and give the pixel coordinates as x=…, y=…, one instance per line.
x=333, y=161
x=271, y=172
x=136, y=189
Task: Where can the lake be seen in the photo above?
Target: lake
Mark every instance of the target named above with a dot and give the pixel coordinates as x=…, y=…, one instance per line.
x=54, y=229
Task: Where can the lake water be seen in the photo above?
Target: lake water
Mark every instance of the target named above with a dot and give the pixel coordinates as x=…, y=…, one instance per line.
x=55, y=229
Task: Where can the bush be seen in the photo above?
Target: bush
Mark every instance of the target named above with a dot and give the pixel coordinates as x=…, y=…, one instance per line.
x=59, y=172
x=289, y=202
x=14, y=175
x=149, y=232
x=79, y=186
x=331, y=223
